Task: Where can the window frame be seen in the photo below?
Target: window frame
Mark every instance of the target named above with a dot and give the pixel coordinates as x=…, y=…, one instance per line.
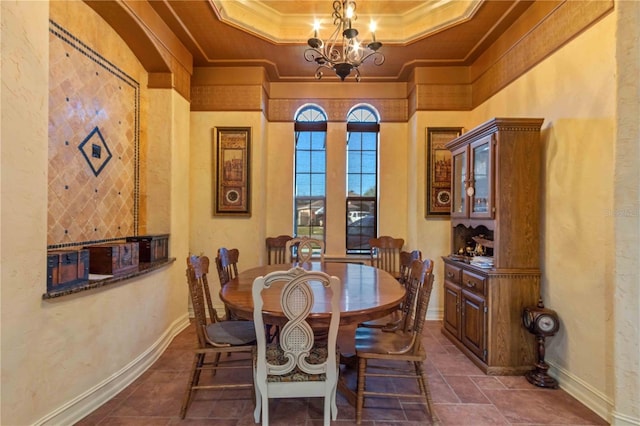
x=312, y=119
x=353, y=127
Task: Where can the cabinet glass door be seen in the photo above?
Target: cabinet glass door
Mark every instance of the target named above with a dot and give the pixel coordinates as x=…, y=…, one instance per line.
x=459, y=205
x=480, y=202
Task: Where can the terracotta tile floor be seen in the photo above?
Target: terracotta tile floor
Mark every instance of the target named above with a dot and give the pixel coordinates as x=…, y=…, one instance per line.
x=462, y=395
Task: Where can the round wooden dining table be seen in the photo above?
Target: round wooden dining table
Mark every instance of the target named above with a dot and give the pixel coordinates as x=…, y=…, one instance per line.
x=367, y=293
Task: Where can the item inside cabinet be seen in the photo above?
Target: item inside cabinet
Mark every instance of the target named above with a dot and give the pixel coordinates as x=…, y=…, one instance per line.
x=469, y=241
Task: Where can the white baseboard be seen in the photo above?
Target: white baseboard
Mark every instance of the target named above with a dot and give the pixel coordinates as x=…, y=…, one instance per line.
x=434, y=314
x=595, y=400
x=618, y=419
x=84, y=404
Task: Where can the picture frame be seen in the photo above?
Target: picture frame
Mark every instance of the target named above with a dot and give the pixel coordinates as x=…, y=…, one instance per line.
x=438, y=170
x=232, y=180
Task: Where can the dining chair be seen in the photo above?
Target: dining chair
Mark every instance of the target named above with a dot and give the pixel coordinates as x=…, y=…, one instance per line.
x=300, y=249
x=298, y=365
x=406, y=259
x=394, y=320
x=385, y=253
x=215, y=337
x=227, y=266
x=204, y=284
x=397, y=350
x=276, y=249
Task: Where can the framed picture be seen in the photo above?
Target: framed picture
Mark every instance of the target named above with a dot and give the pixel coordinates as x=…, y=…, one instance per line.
x=232, y=180
x=438, y=189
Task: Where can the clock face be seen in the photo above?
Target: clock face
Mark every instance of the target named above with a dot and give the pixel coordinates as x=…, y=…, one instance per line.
x=546, y=323
x=527, y=319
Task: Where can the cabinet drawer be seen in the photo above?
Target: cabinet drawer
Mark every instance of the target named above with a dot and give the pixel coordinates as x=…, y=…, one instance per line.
x=452, y=273
x=473, y=282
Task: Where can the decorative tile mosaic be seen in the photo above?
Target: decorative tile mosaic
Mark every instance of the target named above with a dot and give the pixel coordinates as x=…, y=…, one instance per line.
x=94, y=144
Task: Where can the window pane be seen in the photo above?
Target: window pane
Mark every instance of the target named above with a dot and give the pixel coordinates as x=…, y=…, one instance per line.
x=353, y=162
x=354, y=185
x=369, y=162
x=318, y=161
x=360, y=227
x=303, y=161
x=369, y=141
x=303, y=185
x=303, y=212
x=304, y=140
x=317, y=185
x=309, y=217
x=355, y=143
x=368, y=185
x=317, y=141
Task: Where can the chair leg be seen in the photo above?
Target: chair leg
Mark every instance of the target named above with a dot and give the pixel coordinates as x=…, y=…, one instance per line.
x=194, y=378
x=362, y=367
x=327, y=408
x=334, y=405
x=257, y=410
x=423, y=382
x=216, y=360
x=265, y=410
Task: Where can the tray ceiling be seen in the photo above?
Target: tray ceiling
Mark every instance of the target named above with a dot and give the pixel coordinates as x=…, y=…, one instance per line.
x=273, y=34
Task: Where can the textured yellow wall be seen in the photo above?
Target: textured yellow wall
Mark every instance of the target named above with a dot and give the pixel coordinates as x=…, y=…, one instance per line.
x=574, y=91
x=54, y=352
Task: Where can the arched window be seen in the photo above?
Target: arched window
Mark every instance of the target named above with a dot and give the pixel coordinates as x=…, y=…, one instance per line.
x=310, y=172
x=362, y=177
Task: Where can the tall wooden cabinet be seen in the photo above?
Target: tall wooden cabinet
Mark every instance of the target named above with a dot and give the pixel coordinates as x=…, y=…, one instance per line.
x=493, y=270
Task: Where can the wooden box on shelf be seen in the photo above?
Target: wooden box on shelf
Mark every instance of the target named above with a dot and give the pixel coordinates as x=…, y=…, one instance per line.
x=66, y=268
x=496, y=185
x=152, y=247
x=113, y=258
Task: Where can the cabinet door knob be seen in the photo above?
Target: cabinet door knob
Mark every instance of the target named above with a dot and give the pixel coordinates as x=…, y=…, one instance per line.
x=471, y=284
x=449, y=274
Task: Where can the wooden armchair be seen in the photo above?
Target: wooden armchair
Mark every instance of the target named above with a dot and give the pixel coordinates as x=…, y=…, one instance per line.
x=215, y=337
x=394, y=351
x=300, y=249
x=297, y=365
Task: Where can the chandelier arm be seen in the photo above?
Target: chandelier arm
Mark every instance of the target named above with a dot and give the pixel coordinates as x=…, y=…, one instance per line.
x=312, y=55
x=378, y=58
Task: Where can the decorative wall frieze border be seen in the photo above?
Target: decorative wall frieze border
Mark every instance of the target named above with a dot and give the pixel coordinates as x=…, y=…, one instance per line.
x=558, y=28
x=443, y=97
x=391, y=110
x=227, y=98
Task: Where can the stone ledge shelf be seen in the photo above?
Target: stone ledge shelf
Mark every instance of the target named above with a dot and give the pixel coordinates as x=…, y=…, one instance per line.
x=143, y=269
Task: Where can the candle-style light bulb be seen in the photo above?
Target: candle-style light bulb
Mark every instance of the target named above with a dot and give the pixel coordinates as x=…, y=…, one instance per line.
x=316, y=27
x=349, y=14
x=372, y=28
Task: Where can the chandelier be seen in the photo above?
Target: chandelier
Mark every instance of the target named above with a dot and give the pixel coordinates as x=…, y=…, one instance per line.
x=342, y=52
